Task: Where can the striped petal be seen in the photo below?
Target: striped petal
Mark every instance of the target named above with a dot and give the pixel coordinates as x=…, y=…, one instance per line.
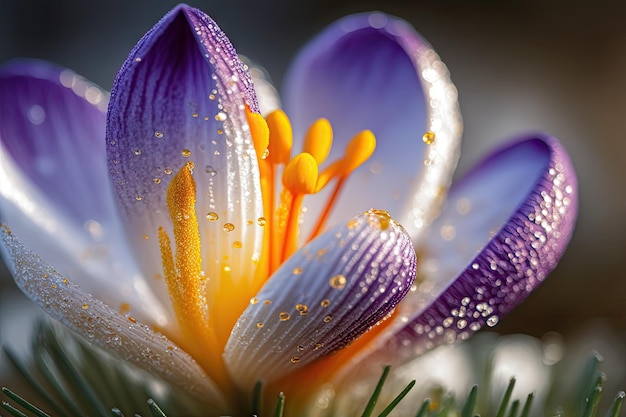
x=505, y=227
x=322, y=298
x=372, y=71
x=121, y=335
x=54, y=189
x=179, y=101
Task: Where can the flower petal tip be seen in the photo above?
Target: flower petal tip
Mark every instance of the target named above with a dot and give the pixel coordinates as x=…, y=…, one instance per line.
x=323, y=298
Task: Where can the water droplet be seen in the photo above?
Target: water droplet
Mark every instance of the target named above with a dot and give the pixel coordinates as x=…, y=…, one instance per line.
x=284, y=316
x=295, y=359
x=254, y=300
x=428, y=138
x=212, y=216
x=158, y=134
x=145, y=237
x=210, y=170
x=261, y=221
x=85, y=306
x=265, y=154
x=492, y=321
x=229, y=227
x=338, y=282
x=36, y=115
x=303, y=309
x=156, y=180
x=185, y=153
x=137, y=59
x=325, y=302
x=220, y=117
x=211, y=96
x=297, y=270
x=194, y=114
x=327, y=319
x=138, y=197
x=259, y=325
x=267, y=302
x=220, y=132
x=237, y=244
x=137, y=151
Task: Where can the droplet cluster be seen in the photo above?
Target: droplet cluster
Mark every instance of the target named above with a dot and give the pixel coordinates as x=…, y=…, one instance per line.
x=514, y=263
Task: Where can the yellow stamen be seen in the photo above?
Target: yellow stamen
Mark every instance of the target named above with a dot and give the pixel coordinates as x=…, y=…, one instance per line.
x=185, y=278
x=359, y=150
x=259, y=131
x=280, y=137
x=318, y=140
x=300, y=176
x=299, y=179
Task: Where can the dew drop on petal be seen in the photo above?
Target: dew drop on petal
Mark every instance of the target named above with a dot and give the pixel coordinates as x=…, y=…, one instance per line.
x=428, y=138
x=220, y=117
x=185, y=153
x=229, y=227
x=212, y=216
x=261, y=221
x=303, y=309
x=338, y=282
x=158, y=134
x=284, y=316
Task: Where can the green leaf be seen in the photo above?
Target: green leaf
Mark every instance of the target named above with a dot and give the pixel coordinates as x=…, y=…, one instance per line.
x=397, y=400
x=369, y=409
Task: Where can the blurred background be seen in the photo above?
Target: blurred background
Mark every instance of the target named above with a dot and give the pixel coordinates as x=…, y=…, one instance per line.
x=519, y=66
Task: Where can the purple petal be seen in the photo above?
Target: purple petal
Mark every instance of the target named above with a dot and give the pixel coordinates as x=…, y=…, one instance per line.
x=54, y=187
x=52, y=126
x=322, y=298
x=179, y=98
x=372, y=71
x=120, y=335
x=505, y=227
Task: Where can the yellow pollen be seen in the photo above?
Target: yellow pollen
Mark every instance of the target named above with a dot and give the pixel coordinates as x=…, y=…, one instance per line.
x=318, y=140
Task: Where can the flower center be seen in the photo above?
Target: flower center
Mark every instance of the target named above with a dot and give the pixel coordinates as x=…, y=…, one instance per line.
x=207, y=308
x=301, y=175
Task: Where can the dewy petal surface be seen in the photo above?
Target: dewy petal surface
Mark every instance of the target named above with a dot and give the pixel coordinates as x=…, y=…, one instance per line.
x=179, y=99
x=54, y=190
x=103, y=326
x=322, y=298
x=372, y=71
x=505, y=227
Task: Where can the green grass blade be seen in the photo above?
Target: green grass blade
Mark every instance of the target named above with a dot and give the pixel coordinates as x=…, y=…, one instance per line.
x=280, y=405
x=422, y=411
x=397, y=400
x=25, y=404
x=14, y=411
x=528, y=405
x=369, y=409
x=470, y=404
x=155, y=410
x=256, y=398
x=507, y=397
x=617, y=405
x=592, y=400
x=21, y=369
x=513, y=409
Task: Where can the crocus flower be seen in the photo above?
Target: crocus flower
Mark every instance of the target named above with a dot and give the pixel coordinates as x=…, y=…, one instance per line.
x=171, y=230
